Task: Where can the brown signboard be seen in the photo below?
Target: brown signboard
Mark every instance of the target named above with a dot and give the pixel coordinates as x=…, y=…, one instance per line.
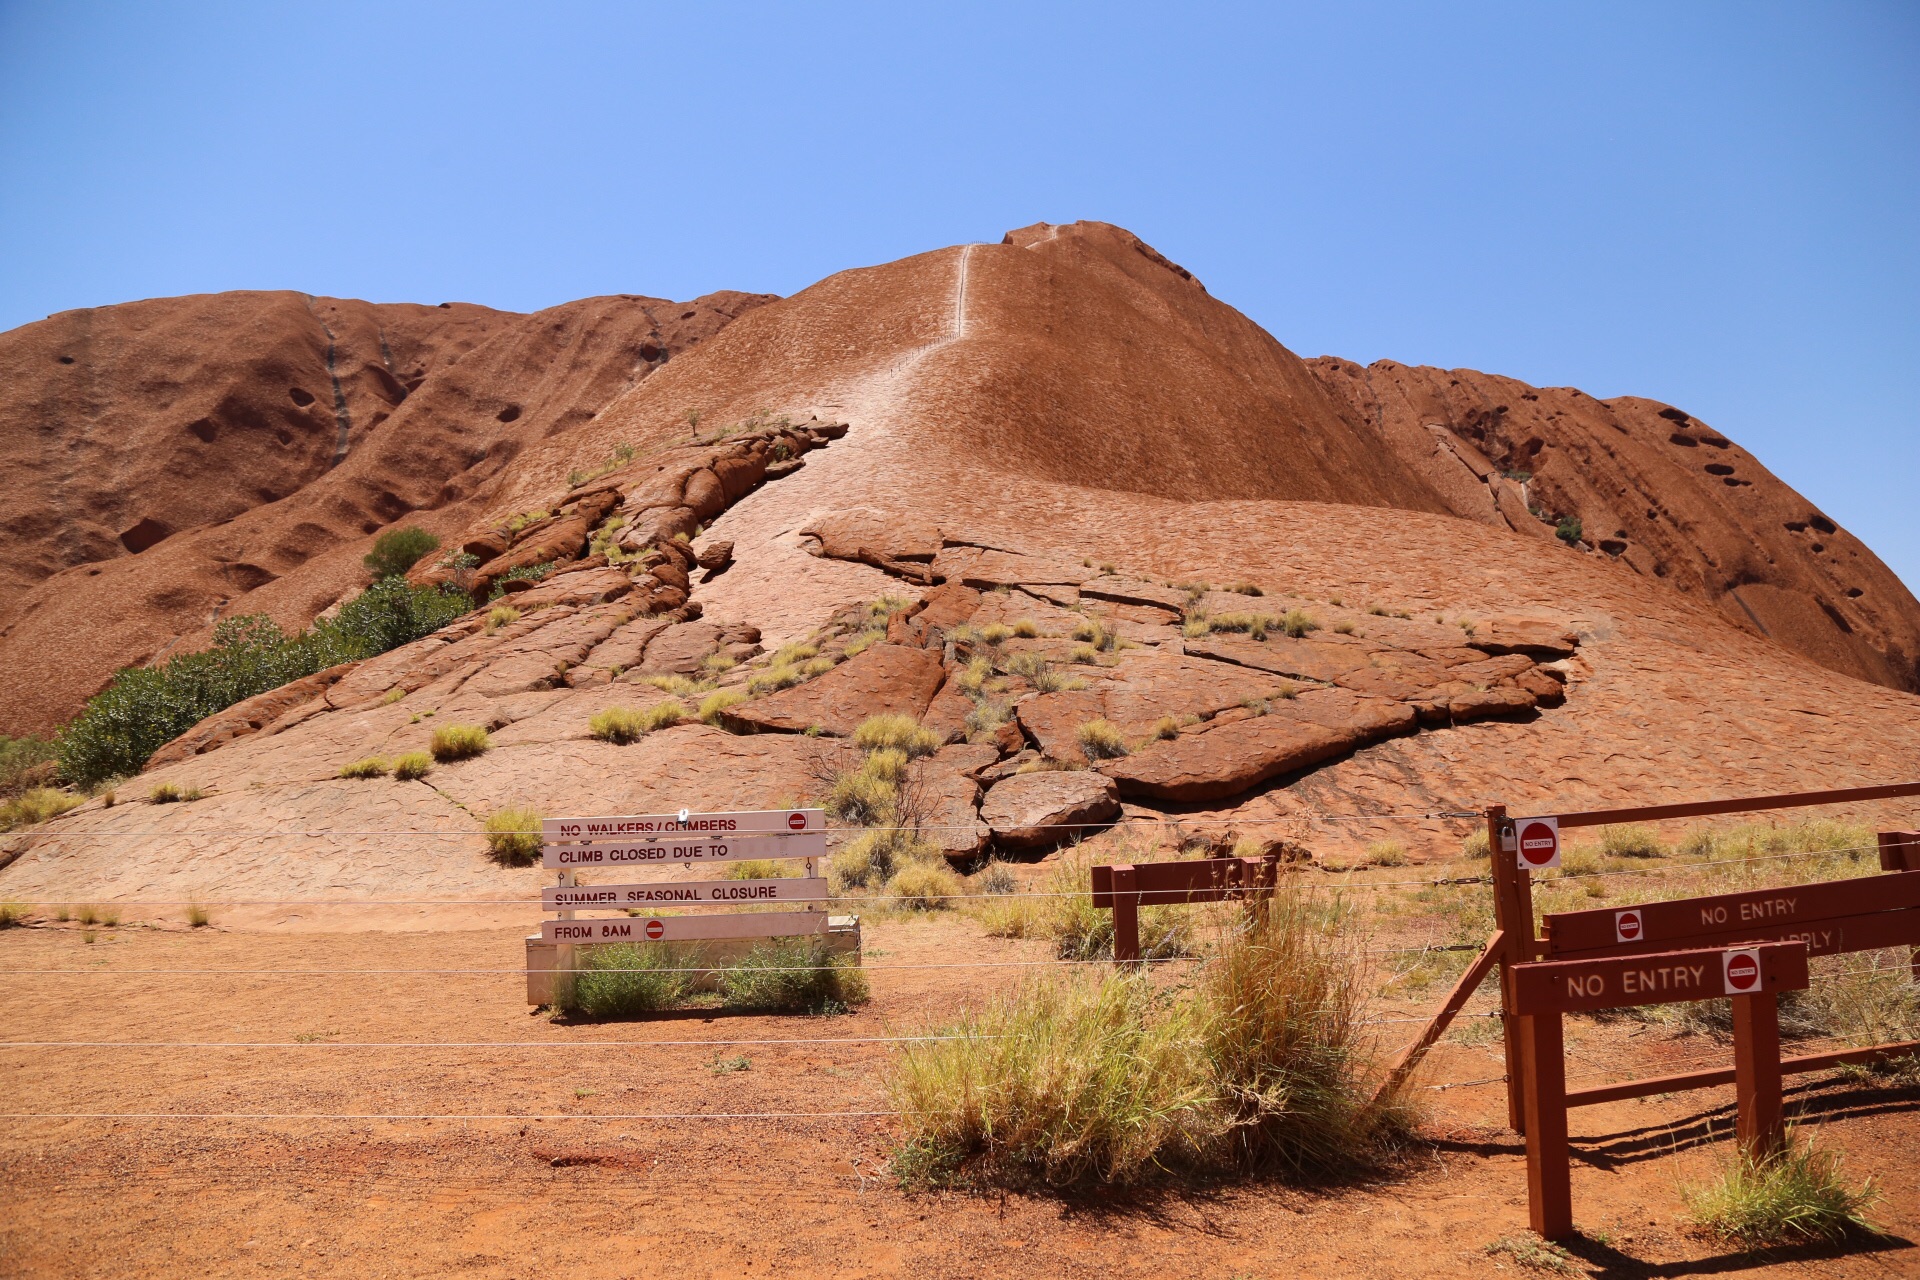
x=1823, y=914
x=1189, y=880
x=1667, y=977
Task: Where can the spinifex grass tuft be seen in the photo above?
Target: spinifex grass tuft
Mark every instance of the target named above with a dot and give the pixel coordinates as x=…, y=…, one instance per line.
x=458, y=742
x=793, y=975
x=1256, y=1066
x=627, y=978
x=513, y=836
x=1795, y=1196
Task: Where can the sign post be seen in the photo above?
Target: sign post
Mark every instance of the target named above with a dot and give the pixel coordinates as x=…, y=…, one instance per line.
x=679, y=839
x=1545, y=992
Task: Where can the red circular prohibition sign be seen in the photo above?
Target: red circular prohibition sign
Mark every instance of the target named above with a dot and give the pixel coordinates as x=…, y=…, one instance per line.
x=1743, y=973
x=655, y=930
x=1543, y=841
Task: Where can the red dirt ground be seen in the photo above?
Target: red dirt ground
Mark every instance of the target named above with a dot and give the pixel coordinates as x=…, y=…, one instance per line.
x=375, y=1197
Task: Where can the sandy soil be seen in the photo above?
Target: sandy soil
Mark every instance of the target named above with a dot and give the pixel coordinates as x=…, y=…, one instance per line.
x=592, y=1185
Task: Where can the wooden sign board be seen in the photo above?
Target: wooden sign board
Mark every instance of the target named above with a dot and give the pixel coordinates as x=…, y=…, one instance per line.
x=1760, y=913
x=690, y=893
x=768, y=924
x=672, y=852
x=1668, y=977
x=1188, y=880
x=685, y=823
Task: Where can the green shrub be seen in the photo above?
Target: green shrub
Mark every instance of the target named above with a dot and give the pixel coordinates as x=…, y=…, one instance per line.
x=513, y=836
x=458, y=742
x=1569, y=530
x=1795, y=1196
x=1101, y=740
x=413, y=765
x=793, y=975
x=144, y=708
x=398, y=550
x=899, y=732
x=33, y=806
x=370, y=767
x=624, y=979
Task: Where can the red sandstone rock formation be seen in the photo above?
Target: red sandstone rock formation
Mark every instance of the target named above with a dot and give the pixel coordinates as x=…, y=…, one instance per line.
x=1655, y=489
x=175, y=461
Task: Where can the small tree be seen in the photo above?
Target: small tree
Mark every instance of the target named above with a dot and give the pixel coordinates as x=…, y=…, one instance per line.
x=398, y=550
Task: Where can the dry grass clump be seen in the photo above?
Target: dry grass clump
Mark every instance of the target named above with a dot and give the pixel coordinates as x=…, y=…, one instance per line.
x=924, y=885
x=1084, y=654
x=1387, y=853
x=900, y=733
x=1797, y=1195
x=793, y=975
x=1100, y=1080
x=622, y=725
x=986, y=717
x=366, y=767
x=995, y=634
x=1196, y=627
x=1165, y=729
x=776, y=677
x=513, y=836
x=1101, y=740
x=1246, y=589
x=501, y=615
x=1254, y=624
x=412, y=766
x=12, y=913
x=1631, y=842
x=172, y=793
x=458, y=742
x=1026, y=628
x=716, y=702
x=35, y=805
x=1064, y=912
x=198, y=917
x=1297, y=623
x=1094, y=632
x=974, y=676
x=677, y=685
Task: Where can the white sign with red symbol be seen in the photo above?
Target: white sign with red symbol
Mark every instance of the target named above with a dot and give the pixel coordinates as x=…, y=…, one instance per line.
x=754, y=924
x=1742, y=971
x=1538, y=843
x=1628, y=927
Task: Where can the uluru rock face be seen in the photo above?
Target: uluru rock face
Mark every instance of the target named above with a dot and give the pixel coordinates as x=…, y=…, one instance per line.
x=176, y=461
x=1655, y=489
x=1016, y=489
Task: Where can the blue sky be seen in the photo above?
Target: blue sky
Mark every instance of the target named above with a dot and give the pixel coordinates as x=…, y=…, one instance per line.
x=1710, y=204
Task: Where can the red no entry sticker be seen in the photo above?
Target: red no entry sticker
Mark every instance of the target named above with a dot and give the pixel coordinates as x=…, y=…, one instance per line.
x=797, y=821
x=1539, y=842
x=1743, y=972
x=656, y=930
x=1627, y=926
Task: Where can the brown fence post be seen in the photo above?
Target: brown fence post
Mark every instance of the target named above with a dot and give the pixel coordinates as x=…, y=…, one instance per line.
x=1513, y=914
x=1756, y=1073
x=1126, y=915
x=1900, y=851
x=1549, y=1177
